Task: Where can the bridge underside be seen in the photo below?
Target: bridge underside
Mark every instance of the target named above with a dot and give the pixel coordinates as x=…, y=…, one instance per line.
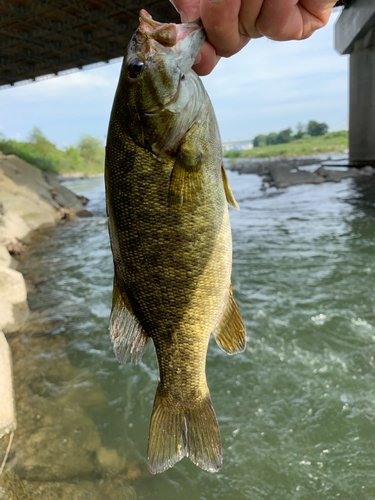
x=46, y=37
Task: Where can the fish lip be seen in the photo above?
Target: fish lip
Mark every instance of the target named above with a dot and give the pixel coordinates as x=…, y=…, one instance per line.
x=175, y=33
x=148, y=20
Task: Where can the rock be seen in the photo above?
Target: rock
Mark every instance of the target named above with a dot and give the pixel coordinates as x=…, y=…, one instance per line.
x=249, y=168
x=7, y=407
x=7, y=319
x=111, y=488
x=110, y=459
x=62, y=195
x=283, y=176
x=84, y=213
x=5, y=257
x=62, y=448
x=30, y=199
x=13, y=297
x=12, y=286
x=13, y=228
x=367, y=170
x=83, y=199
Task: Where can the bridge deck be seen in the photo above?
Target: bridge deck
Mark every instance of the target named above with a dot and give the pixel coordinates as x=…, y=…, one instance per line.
x=50, y=36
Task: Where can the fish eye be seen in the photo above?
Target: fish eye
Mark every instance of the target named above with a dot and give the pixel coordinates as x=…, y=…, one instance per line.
x=135, y=67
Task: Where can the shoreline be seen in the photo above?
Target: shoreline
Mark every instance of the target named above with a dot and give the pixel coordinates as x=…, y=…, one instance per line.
x=30, y=199
x=283, y=172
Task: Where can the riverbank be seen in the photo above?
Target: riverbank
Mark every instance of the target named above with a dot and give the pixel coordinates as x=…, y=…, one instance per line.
x=59, y=451
x=29, y=199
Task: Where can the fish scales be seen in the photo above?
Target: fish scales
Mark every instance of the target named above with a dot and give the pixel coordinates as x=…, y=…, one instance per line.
x=171, y=242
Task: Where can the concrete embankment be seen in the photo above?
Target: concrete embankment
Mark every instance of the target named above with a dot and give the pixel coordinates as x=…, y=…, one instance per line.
x=29, y=199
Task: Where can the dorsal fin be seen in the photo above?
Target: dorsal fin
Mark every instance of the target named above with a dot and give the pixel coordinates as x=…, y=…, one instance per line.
x=230, y=334
x=228, y=192
x=127, y=335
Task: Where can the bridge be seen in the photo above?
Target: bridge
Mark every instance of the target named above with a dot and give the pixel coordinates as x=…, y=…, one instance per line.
x=43, y=38
x=355, y=35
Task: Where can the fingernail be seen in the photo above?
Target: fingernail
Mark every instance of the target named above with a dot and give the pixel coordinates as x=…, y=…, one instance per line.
x=198, y=59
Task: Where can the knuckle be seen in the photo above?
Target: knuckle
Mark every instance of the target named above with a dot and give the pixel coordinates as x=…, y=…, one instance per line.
x=280, y=32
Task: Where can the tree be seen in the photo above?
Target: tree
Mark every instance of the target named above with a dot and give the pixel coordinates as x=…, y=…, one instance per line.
x=314, y=128
x=301, y=129
x=284, y=136
x=42, y=144
x=260, y=141
x=91, y=148
x=271, y=139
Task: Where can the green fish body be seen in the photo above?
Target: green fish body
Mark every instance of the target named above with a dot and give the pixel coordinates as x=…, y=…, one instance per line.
x=167, y=195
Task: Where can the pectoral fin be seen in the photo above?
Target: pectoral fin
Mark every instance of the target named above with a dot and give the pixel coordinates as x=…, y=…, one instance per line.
x=230, y=334
x=228, y=192
x=127, y=335
x=186, y=183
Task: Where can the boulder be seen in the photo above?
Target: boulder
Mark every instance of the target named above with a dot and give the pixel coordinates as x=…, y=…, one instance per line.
x=7, y=407
x=12, y=286
x=283, y=176
x=5, y=257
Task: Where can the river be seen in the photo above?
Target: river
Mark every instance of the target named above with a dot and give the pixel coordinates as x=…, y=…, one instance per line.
x=296, y=410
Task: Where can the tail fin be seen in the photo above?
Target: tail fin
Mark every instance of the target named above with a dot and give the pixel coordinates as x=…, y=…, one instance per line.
x=177, y=432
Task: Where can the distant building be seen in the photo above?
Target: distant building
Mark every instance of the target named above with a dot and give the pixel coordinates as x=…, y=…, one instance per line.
x=238, y=145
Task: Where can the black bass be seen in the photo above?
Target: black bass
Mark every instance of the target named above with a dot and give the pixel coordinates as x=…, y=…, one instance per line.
x=167, y=194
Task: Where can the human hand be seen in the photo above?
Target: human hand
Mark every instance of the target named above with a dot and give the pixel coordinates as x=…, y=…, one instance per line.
x=230, y=24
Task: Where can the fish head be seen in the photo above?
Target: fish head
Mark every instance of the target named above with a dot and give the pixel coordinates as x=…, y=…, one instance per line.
x=160, y=95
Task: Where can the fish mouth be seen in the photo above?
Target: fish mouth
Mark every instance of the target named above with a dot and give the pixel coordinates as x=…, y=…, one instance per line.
x=167, y=34
x=184, y=39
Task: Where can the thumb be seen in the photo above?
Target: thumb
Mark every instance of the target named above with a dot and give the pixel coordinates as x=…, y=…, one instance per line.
x=188, y=9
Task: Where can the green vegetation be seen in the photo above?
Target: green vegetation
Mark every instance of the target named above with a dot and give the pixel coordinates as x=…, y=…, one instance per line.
x=313, y=129
x=310, y=139
x=332, y=142
x=86, y=157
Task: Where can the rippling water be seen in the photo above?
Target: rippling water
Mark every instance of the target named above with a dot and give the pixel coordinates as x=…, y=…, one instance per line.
x=296, y=410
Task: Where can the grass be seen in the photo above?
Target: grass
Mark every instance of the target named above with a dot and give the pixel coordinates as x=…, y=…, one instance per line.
x=333, y=142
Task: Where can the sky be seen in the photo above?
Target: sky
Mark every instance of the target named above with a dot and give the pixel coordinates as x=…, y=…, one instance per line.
x=267, y=87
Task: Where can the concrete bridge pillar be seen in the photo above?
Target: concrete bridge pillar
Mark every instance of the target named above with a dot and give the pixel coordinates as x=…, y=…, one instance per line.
x=355, y=35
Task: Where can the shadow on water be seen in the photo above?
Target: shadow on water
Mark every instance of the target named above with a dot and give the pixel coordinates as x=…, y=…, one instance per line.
x=296, y=410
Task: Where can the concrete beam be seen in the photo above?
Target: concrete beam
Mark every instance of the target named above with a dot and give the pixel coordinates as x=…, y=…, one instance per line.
x=352, y=24
x=362, y=100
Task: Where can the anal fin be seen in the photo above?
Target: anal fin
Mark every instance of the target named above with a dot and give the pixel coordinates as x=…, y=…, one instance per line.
x=127, y=335
x=230, y=334
x=228, y=192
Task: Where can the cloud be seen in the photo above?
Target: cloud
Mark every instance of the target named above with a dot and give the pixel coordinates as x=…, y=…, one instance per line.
x=267, y=86
x=271, y=85
x=79, y=82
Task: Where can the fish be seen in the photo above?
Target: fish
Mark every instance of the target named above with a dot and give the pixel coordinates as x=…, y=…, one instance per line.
x=167, y=196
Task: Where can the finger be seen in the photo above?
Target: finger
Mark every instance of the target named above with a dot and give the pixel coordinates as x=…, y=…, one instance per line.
x=206, y=60
x=188, y=9
x=220, y=21
x=248, y=17
x=291, y=19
